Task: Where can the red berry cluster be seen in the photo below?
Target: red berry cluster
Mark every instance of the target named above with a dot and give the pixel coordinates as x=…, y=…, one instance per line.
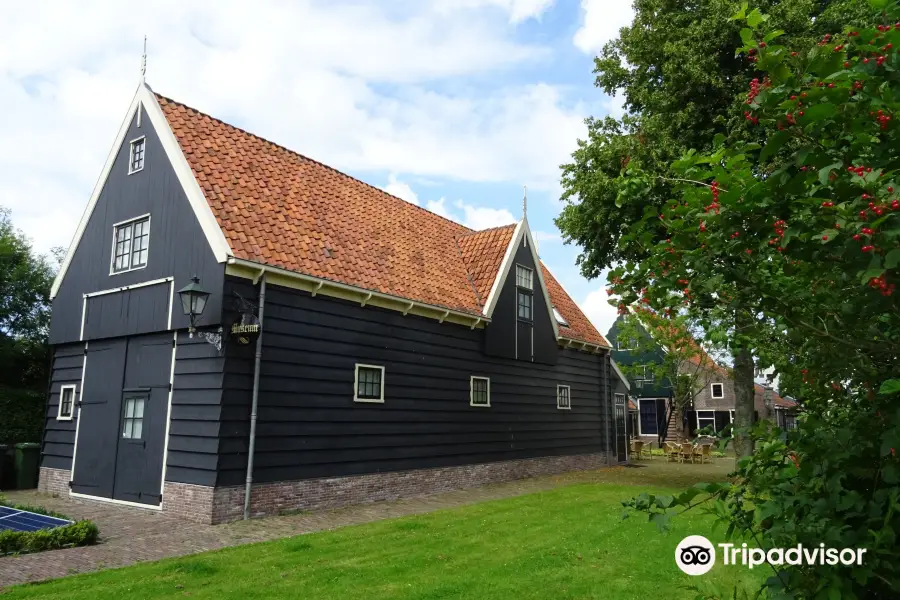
x=779, y=225
x=885, y=28
x=734, y=235
x=825, y=39
x=715, y=201
x=879, y=283
x=754, y=91
x=859, y=170
x=702, y=225
x=881, y=118
x=827, y=204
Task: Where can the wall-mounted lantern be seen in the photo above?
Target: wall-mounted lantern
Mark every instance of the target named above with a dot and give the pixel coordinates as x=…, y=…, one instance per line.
x=193, y=301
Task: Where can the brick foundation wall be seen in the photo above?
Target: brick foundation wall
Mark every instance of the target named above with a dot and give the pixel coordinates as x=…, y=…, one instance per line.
x=189, y=502
x=332, y=492
x=54, y=481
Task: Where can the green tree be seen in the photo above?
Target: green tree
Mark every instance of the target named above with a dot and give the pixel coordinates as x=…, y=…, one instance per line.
x=25, y=280
x=683, y=85
x=801, y=233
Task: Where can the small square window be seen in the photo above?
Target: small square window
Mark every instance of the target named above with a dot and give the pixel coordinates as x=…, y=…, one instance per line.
x=622, y=346
x=131, y=245
x=648, y=372
x=66, y=403
x=718, y=390
x=479, y=391
x=524, y=302
x=563, y=397
x=133, y=428
x=524, y=277
x=136, y=156
x=369, y=383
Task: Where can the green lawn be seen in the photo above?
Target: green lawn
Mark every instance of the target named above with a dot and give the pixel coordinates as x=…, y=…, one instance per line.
x=569, y=542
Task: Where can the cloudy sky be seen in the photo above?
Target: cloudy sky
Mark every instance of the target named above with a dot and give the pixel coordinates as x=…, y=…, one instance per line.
x=451, y=104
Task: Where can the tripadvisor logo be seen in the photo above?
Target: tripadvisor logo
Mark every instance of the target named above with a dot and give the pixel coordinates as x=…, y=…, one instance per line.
x=696, y=555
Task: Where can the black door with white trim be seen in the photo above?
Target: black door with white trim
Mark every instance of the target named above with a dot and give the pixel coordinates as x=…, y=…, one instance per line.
x=127, y=424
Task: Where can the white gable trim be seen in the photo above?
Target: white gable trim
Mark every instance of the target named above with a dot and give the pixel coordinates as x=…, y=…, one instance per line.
x=522, y=231
x=620, y=374
x=214, y=236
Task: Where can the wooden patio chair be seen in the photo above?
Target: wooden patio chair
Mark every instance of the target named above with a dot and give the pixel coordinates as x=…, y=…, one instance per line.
x=687, y=452
x=704, y=452
x=672, y=451
x=636, y=447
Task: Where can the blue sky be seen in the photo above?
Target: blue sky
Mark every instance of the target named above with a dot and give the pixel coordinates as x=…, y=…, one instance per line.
x=451, y=104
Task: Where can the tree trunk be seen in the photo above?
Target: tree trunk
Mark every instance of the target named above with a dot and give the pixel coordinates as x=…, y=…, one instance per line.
x=679, y=420
x=743, y=401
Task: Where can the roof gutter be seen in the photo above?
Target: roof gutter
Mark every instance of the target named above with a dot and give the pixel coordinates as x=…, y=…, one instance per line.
x=365, y=295
x=584, y=345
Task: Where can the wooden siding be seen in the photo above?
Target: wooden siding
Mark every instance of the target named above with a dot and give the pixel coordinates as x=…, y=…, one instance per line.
x=193, y=455
x=309, y=425
x=59, y=436
x=178, y=248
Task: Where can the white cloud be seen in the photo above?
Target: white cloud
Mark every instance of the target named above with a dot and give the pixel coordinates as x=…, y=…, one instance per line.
x=439, y=207
x=602, y=20
x=401, y=190
x=596, y=307
x=484, y=217
x=350, y=84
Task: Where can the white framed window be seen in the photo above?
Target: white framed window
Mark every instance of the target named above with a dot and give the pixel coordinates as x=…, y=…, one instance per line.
x=622, y=346
x=66, y=407
x=559, y=318
x=706, y=418
x=479, y=391
x=369, y=383
x=563, y=397
x=717, y=391
x=648, y=374
x=524, y=277
x=524, y=304
x=131, y=245
x=136, y=155
x=133, y=422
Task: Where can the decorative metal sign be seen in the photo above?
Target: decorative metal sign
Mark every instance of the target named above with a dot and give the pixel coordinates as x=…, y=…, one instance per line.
x=245, y=330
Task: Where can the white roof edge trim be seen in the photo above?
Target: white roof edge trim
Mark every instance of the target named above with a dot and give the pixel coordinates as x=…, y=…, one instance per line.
x=145, y=98
x=494, y=294
x=620, y=374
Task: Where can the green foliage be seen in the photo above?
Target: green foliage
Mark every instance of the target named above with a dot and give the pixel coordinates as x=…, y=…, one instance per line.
x=80, y=533
x=800, y=232
x=23, y=415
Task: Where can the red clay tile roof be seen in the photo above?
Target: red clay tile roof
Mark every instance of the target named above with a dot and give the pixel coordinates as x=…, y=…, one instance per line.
x=279, y=208
x=482, y=252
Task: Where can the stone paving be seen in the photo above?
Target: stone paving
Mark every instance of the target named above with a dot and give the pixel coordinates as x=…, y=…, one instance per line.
x=131, y=535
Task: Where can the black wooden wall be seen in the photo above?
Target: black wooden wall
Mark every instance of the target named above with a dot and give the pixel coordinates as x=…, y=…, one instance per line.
x=178, y=248
x=309, y=425
x=59, y=436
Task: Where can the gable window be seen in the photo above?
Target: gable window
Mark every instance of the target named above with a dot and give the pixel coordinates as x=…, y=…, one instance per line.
x=524, y=302
x=563, y=397
x=133, y=427
x=131, y=244
x=648, y=372
x=136, y=156
x=717, y=391
x=66, y=403
x=479, y=391
x=524, y=277
x=622, y=346
x=369, y=385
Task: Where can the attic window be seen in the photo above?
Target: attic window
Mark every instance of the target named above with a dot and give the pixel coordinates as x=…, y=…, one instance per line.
x=559, y=318
x=131, y=244
x=524, y=277
x=718, y=390
x=136, y=157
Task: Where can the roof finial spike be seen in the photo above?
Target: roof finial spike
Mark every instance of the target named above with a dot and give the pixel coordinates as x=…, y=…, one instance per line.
x=144, y=60
x=524, y=202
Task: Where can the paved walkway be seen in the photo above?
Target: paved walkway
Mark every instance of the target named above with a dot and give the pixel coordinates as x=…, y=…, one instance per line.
x=130, y=535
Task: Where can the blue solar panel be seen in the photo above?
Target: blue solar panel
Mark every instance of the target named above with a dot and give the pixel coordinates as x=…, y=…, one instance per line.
x=14, y=519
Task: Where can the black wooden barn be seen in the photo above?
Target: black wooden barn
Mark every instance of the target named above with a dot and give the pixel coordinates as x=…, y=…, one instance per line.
x=397, y=352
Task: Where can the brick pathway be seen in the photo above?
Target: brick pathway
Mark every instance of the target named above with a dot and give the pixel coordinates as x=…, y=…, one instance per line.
x=130, y=535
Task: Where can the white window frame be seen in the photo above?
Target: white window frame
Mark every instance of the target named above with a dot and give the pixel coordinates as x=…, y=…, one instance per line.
x=62, y=390
x=621, y=348
x=569, y=393
x=356, y=397
x=472, y=391
x=530, y=277
x=652, y=377
x=713, y=418
x=112, y=256
x=712, y=393
x=131, y=144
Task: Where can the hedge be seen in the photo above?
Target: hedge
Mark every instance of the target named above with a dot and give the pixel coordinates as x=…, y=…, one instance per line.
x=79, y=533
x=23, y=415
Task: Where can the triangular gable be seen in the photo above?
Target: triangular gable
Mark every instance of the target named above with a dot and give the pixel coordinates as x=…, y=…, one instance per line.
x=145, y=98
x=522, y=231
